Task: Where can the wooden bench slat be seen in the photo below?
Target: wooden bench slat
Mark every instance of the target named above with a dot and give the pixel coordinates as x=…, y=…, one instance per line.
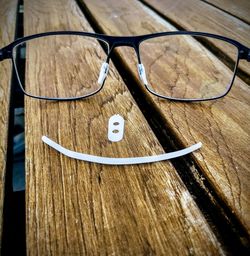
x=222, y=126
x=73, y=207
x=196, y=15
x=7, y=34
x=239, y=8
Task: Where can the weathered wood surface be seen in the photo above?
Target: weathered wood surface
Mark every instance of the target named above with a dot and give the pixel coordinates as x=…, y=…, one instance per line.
x=222, y=125
x=7, y=32
x=196, y=15
x=73, y=207
x=239, y=8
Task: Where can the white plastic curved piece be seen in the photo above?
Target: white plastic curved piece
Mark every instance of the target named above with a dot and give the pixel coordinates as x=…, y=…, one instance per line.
x=103, y=73
x=115, y=128
x=142, y=73
x=119, y=161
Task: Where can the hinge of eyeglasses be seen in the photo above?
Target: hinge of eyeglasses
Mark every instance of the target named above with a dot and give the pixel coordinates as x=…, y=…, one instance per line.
x=1, y=55
x=248, y=55
x=4, y=54
x=245, y=54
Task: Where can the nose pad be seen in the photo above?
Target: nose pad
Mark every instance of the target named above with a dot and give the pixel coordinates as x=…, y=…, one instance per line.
x=103, y=73
x=142, y=73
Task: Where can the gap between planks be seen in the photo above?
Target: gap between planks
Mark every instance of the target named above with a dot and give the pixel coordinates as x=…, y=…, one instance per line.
x=239, y=9
x=159, y=8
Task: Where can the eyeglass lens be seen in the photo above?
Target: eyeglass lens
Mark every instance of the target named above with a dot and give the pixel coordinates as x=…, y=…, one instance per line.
x=180, y=67
x=62, y=66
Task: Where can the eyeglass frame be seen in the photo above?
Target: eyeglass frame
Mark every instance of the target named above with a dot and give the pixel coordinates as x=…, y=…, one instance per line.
x=131, y=41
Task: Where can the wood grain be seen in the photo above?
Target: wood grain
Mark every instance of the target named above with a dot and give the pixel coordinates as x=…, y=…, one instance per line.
x=240, y=8
x=196, y=15
x=181, y=67
x=222, y=126
x=76, y=208
x=7, y=32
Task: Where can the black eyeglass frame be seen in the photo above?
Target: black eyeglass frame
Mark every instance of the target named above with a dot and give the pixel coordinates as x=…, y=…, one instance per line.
x=132, y=41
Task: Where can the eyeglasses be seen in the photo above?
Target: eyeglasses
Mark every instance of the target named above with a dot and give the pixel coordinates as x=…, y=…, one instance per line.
x=69, y=65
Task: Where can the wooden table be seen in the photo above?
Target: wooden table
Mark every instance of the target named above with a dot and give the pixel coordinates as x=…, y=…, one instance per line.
x=194, y=205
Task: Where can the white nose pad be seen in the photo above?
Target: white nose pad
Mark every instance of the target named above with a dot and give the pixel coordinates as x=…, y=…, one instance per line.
x=103, y=73
x=142, y=73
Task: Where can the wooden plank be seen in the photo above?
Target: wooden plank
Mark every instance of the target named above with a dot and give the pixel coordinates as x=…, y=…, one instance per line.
x=196, y=15
x=73, y=207
x=7, y=33
x=222, y=125
x=240, y=8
